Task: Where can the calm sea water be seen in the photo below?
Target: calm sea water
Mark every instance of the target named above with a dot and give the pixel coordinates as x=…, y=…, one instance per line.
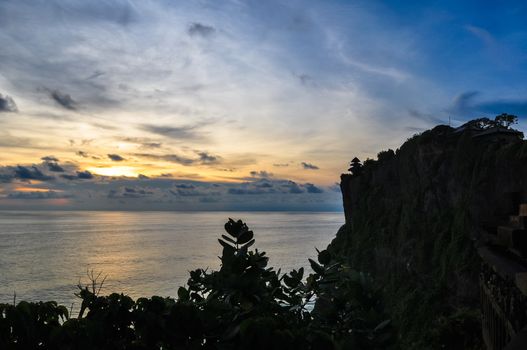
x=44, y=255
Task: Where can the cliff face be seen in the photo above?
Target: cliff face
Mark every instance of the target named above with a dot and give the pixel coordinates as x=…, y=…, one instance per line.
x=414, y=218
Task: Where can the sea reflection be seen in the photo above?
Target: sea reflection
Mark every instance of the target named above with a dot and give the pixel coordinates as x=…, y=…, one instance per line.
x=44, y=255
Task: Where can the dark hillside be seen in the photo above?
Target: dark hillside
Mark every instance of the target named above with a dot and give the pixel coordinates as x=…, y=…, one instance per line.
x=414, y=218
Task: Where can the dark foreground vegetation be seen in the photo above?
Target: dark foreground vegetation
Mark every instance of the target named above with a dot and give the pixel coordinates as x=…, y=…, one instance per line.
x=244, y=305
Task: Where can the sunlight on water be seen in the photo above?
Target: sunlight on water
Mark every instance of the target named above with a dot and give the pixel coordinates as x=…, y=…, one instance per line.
x=43, y=255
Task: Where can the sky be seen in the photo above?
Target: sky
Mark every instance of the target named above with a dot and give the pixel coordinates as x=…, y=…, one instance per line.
x=236, y=105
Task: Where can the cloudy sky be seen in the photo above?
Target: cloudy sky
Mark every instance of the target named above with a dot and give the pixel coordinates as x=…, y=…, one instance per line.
x=257, y=105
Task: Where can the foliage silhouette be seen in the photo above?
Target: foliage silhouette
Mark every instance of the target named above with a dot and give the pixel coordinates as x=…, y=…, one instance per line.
x=245, y=304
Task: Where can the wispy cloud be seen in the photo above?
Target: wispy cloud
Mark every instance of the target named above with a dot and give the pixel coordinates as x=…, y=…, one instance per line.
x=115, y=157
x=178, y=133
x=309, y=166
x=63, y=100
x=199, y=29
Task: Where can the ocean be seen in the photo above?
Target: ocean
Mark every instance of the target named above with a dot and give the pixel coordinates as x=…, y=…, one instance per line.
x=45, y=254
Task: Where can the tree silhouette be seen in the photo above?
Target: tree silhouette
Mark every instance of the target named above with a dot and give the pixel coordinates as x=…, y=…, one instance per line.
x=355, y=166
x=505, y=120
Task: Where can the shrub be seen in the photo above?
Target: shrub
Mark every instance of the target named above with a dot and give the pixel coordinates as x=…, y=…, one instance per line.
x=245, y=304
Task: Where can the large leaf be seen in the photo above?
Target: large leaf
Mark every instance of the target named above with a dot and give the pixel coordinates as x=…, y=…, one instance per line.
x=324, y=257
x=316, y=267
x=245, y=237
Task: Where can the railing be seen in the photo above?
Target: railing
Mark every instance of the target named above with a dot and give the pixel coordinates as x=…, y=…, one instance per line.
x=503, y=309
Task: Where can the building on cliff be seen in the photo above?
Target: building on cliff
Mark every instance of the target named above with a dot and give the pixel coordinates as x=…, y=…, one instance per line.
x=498, y=133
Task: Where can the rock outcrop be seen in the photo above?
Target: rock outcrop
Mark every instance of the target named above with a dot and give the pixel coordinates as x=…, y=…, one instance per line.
x=414, y=218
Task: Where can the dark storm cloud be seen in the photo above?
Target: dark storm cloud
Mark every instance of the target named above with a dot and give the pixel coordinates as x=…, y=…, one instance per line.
x=115, y=157
x=7, y=104
x=82, y=154
x=32, y=173
x=309, y=166
x=198, y=29
x=63, y=99
x=142, y=177
x=180, y=133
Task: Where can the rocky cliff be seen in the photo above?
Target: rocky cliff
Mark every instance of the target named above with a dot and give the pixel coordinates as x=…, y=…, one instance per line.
x=414, y=218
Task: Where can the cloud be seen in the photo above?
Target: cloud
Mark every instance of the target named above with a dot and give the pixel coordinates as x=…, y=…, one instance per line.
x=462, y=102
x=182, y=133
x=246, y=191
x=206, y=158
x=189, y=190
x=293, y=187
x=261, y=174
x=466, y=105
x=280, y=165
x=172, y=158
x=202, y=30
x=115, y=157
x=482, y=34
x=149, y=145
x=49, y=159
x=52, y=163
x=7, y=104
x=309, y=166
x=143, y=142
x=33, y=173
x=81, y=175
x=312, y=188
x=84, y=175
x=185, y=186
x=428, y=118
x=95, y=74
x=64, y=100
x=129, y=192
x=517, y=107
x=54, y=167
x=82, y=154
x=38, y=195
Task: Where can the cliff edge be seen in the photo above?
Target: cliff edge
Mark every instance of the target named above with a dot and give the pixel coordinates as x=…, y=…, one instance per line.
x=415, y=217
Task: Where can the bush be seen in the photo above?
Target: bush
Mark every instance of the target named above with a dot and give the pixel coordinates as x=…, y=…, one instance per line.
x=243, y=305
